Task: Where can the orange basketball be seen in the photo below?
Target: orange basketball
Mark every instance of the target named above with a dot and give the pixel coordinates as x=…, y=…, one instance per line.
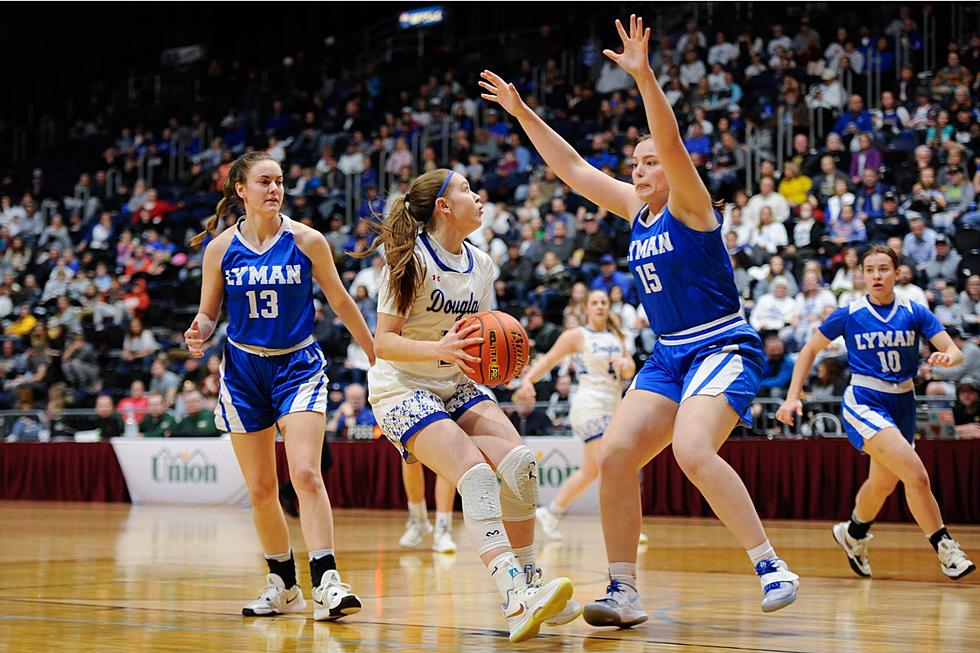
x=504, y=350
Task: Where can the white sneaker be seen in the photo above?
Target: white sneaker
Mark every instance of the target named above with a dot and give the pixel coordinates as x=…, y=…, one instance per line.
x=275, y=599
x=572, y=611
x=953, y=561
x=549, y=523
x=778, y=584
x=619, y=607
x=528, y=606
x=333, y=599
x=856, y=550
x=442, y=541
x=414, y=532
x=644, y=540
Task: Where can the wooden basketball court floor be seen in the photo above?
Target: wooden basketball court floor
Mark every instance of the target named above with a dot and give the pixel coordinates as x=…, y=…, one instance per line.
x=113, y=577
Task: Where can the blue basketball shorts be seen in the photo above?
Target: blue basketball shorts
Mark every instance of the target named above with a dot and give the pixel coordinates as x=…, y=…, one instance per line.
x=729, y=363
x=257, y=390
x=868, y=411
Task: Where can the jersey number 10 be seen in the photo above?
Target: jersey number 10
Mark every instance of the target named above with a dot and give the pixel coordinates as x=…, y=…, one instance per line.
x=890, y=362
x=270, y=299
x=650, y=278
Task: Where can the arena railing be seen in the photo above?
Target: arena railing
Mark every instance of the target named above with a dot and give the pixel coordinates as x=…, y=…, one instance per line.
x=821, y=418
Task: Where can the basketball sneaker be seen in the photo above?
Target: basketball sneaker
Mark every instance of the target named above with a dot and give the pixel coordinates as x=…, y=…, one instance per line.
x=856, y=550
x=572, y=609
x=333, y=599
x=549, y=523
x=414, y=532
x=619, y=607
x=778, y=584
x=275, y=599
x=644, y=540
x=953, y=561
x=528, y=606
x=442, y=541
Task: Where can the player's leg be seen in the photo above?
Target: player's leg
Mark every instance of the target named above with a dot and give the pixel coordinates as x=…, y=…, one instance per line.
x=891, y=449
x=417, y=526
x=853, y=536
x=703, y=424
x=302, y=433
x=442, y=538
x=256, y=454
x=449, y=451
x=640, y=429
x=549, y=516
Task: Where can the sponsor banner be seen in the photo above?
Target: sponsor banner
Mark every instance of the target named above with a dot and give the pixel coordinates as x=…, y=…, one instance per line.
x=181, y=470
x=557, y=459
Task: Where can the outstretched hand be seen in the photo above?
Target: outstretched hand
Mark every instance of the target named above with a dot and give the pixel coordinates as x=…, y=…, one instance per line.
x=501, y=92
x=634, y=59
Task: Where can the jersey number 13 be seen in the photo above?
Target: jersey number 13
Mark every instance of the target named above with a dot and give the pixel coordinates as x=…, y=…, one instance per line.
x=269, y=300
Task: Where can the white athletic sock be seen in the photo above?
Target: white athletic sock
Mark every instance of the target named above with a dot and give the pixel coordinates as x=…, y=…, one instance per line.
x=504, y=569
x=623, y=572
x=555, y=509
x=319, y=553
x=280, y=557
x=525, y=556
x=444, y=520
x=762, y=552
x=418, y=511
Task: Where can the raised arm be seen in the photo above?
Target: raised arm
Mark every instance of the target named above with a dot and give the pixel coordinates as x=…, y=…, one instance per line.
x=568, y=343
x=689, y=200
x=804, y=363
x=613, y=195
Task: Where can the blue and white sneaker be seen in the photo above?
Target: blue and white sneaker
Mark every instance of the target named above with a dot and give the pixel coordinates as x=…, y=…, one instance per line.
x=620, y=607
x=778, y=584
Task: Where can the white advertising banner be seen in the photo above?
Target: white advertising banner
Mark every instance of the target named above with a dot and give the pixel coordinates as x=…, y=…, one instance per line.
x=557, y=459
x=181, y=470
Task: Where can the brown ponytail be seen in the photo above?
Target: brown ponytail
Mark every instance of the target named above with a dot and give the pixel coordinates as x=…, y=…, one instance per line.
x=237, y=174
x=397, y=234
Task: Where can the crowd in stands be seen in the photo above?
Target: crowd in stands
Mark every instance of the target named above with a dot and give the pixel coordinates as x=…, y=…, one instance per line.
x=97, y=281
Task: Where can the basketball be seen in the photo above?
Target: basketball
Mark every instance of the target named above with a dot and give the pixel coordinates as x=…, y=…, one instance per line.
x=504, y=350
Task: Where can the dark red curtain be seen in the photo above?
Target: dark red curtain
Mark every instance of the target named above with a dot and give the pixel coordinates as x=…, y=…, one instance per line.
x=787, y=479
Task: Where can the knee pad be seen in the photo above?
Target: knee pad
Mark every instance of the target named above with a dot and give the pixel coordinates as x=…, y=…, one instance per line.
x=519, y=490
x=481, y=508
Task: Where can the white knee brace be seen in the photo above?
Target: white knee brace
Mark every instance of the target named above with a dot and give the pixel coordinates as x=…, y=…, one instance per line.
x=519, y=490
x=481, y=508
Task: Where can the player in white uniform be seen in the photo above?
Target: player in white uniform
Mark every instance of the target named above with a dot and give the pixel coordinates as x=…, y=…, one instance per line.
x=602, y=362
x=418, y=524
x=433, y=413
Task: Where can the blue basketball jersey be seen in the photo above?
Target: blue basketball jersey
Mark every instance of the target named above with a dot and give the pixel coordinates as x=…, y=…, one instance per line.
x=270, y=292
x=884, y=344
x=684, y=276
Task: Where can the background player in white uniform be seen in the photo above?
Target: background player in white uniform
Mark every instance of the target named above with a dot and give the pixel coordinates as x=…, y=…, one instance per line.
x=432, y=412
x=706, y=367
x=272, y=373
x=882, y=334
x=418, y=524
x=602, y=362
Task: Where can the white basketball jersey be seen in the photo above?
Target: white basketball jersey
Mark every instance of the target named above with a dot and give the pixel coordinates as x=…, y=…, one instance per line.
x=593, y=365
x=453, y=286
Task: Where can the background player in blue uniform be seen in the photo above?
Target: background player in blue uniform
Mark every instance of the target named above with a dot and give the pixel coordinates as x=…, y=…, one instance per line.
x=273, y=373
x=882, y=337
x=705, y=369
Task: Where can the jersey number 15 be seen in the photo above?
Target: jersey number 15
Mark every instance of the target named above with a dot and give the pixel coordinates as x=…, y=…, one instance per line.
x=651, y=280
x=269, y=299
